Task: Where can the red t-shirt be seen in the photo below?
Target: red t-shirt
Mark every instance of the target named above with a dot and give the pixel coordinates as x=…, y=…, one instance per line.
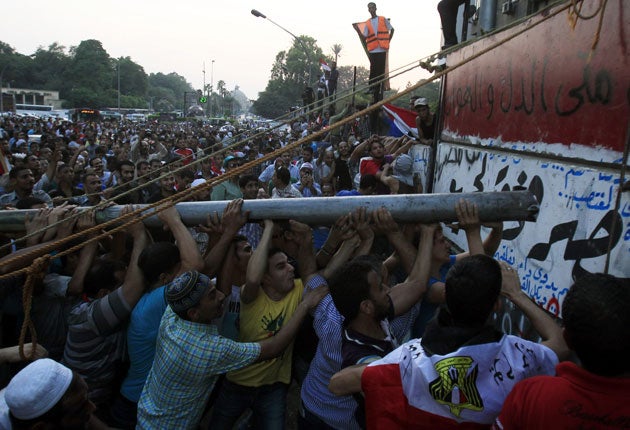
x=574, y=399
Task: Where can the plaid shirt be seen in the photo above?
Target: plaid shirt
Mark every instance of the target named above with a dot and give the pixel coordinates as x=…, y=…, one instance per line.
x=188, y=360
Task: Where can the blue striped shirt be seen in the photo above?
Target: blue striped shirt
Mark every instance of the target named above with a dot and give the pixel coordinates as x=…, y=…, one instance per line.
x=336, y=411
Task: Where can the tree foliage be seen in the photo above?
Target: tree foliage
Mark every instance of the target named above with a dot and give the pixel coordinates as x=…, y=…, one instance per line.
x=86, y=75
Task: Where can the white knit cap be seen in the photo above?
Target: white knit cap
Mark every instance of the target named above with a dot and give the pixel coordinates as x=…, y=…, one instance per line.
x=37, y=388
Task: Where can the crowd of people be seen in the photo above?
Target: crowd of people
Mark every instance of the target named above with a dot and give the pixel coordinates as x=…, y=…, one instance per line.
x=379, y=323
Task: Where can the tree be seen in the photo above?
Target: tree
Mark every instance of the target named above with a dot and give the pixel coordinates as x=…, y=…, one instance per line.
x=336, y=49
x=168, y=90
x=50, y=66
x=133, y=79
x=89, y=76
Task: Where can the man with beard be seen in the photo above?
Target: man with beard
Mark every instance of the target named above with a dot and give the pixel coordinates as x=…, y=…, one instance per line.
x=22, y=181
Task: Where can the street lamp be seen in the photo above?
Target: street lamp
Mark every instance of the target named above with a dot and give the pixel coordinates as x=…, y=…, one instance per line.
x=119, y=85
x=211, y=87
x=1, y=93
x=258, y=14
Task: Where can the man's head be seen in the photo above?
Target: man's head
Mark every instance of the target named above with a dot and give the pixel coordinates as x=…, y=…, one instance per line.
x=143, y=168
x=65, y=174
x=596, y=323
x=282, y=177
x=307, y=154
x=127, y=171
x=306, y=172
x=32, y=162
x=359, y=287
x=421, y=106
x=242, y=251
x=97, y=164
x=473, y=286
x=22, y=180
x=194, y=297
x=91, y=183
x=372, y=9
x=167, y=184
x=280, y=273
x=376, y=149
x=159, y=263
x=249, y=186
x=367, y=185
x=46, y=394
x=328, y=190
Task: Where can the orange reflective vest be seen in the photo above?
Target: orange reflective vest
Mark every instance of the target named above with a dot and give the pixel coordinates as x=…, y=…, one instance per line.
x=381, y=38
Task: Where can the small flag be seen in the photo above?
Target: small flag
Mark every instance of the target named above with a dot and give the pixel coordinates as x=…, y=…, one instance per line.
x=324, y=65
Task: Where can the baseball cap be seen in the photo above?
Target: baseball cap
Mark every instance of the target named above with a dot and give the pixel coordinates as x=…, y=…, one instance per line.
x=306, y=165
x=403, y=169
x=420, y=101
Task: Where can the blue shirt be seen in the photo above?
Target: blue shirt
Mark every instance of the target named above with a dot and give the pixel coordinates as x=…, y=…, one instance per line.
x=141, y=336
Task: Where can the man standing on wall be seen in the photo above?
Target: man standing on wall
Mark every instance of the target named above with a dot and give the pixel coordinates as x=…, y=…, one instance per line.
x=375, y=34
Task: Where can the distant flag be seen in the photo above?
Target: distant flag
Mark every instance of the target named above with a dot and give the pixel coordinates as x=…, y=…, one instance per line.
x=401, y=121
x=324, y=65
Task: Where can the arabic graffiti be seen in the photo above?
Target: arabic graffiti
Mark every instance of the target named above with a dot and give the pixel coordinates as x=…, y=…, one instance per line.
x=576, y=225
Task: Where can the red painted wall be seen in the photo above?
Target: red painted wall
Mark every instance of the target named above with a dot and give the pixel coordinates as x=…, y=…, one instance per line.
x=543, y=87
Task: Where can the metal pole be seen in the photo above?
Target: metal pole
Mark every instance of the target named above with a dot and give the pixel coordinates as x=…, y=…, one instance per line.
x=119, y=85
x=493, y=206
x=211, y=86
x=308, y=57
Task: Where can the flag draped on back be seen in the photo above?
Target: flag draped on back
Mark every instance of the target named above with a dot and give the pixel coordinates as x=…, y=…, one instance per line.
x=401, y=121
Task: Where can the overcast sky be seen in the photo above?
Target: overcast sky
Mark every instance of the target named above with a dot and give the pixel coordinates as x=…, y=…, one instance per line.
x=179, y=36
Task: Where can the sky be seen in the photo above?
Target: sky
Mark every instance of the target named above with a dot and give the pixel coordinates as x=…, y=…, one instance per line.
x=236, y=47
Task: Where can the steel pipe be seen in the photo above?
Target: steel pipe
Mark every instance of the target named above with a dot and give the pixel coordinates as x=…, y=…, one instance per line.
x=493, y=206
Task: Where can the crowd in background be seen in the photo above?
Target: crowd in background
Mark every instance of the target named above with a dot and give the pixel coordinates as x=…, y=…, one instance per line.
x=188, y=326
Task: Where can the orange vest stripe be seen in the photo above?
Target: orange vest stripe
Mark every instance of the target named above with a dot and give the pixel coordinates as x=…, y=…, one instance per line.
x=381, y=38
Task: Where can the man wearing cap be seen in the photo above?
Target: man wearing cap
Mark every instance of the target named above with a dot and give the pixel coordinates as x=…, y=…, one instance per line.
x=401, y=181
x=306, y=185
x=228, y=189
x=190, y=354
x=46, y=394
x=425, y=121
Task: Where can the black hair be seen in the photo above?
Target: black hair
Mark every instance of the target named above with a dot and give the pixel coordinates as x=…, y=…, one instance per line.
x=126, y=163
x=13, y=173
x=368, y=181
x=244, y=179
x=473, y=286
x=284, y=175
x=28, y=202
x=102, y=276
x=596, y=321
x=158, y=258
x=349, y=285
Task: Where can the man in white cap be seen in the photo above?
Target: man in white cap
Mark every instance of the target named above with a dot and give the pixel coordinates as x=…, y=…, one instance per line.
x=46, y=394
x=425, y=121
x=306, y=185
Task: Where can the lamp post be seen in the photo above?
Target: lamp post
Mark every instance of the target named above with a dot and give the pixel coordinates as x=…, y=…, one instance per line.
x=211, y=86
x=119, y=85
x=310, y=63
x=1, y=93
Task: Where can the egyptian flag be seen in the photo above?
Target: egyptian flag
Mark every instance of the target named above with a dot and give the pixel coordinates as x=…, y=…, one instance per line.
x=401, y=121
x=324, y=65
x=464, y=389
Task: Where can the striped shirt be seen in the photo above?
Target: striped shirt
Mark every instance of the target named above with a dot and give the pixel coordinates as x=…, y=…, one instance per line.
x=336, y=411
x=189, y=357
x=96, y=342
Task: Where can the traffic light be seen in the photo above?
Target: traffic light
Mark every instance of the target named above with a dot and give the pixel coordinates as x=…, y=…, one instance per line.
x=203, y=99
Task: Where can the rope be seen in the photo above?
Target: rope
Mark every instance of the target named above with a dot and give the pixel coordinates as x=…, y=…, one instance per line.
x=206, y=186
x=36, y=273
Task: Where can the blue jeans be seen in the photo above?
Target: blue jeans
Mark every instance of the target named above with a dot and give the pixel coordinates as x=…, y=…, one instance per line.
x=267, y=402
